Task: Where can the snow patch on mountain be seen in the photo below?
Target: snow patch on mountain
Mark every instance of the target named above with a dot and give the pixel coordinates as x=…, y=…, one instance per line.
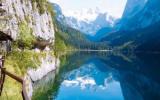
x=86, y=15
x=88, y=21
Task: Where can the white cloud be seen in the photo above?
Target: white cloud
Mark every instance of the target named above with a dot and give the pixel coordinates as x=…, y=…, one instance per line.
x=83, y=14
x=84, y=82
x=80, y=81
x=113, y=7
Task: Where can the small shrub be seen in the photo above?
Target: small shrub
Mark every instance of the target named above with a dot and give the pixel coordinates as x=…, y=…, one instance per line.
x=27, y=18
x=41, y=5
x=50, y=9
x=25, y=38
x=21, y=61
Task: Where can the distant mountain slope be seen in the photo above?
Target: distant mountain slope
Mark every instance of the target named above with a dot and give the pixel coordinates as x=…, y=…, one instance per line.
x=91, y=28
x=76, y=39
x=133, y=7
x=141, y=16
x=59, y=15
x=72, y=36
x=100, y=34
x=145, y=39
x=140, y=29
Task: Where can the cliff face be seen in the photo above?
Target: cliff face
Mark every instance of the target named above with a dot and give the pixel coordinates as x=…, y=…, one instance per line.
x=26, y=17
x=27, y=22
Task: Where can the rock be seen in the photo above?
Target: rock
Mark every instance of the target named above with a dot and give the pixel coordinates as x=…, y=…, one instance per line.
x=47, y=65
x=25, y=10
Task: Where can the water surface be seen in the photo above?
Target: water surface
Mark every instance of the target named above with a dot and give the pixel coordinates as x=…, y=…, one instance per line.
x=106, y=76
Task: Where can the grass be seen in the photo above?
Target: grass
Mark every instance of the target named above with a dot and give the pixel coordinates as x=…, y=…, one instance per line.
x=18, y=62
x=12, y=90
x=26, y=37
x=21, y=61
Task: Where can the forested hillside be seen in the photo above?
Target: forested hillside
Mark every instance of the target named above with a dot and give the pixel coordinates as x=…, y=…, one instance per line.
x=71, y=37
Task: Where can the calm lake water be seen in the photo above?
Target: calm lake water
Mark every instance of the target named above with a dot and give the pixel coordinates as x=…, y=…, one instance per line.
x=105, y=76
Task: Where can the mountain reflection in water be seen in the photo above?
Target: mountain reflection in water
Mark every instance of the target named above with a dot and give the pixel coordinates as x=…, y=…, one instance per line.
x=107, y=76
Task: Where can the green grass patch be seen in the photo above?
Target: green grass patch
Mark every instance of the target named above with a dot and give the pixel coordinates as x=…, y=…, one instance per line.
x=21, y=61
x=18, y=63
x=26, y=37
x=11, y=90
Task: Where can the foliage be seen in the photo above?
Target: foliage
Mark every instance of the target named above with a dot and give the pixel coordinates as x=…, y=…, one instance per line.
x=50, y=9
x=77, y=39
x=27, y=18
x=11, y=90
x=40, y=5
x=18, y=62
x=60, y=45
x=25, y=38
x=23, y=60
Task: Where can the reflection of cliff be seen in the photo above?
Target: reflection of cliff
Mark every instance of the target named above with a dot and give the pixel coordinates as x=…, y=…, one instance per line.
x=43, y=87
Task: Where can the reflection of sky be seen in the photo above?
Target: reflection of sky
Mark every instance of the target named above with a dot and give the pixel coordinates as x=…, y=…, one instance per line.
x=90, y=83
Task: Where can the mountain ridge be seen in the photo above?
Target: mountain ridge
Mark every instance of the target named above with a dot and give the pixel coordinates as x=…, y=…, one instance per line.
x=86, y=26
x=140, y=32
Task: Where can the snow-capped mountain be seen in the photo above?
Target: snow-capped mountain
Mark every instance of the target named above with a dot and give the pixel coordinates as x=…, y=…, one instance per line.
x=90, y=27
x=91, y=22
x=88, y=21
x=86, y=15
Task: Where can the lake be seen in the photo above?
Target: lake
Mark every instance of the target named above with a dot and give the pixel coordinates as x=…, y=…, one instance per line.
x=104, y=76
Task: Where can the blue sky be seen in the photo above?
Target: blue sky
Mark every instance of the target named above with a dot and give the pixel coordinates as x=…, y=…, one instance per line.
x=113, y=7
